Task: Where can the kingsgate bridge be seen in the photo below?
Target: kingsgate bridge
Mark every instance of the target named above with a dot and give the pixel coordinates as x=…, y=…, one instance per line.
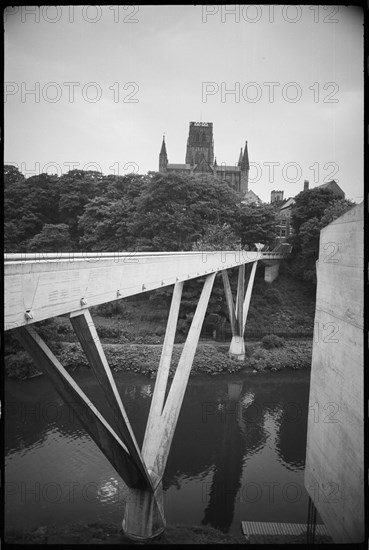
x=41, y=286
x=44, y=285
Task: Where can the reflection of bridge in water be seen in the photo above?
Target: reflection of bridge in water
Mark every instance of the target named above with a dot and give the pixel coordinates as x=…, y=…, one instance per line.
x=197, y=451
x=38, y=288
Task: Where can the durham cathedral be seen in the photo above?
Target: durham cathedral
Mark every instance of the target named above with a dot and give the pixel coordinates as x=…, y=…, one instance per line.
x=200, y=159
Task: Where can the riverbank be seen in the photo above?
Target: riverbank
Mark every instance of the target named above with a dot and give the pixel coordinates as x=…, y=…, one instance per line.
x=270, y=354
x=109, y=533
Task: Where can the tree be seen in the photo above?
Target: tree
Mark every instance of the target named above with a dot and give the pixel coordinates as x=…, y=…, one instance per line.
x=12, y=237
x=52, y=238
x=308, y=236
x=103, y=225
x=256, y=223
x=309, y=204
x=217, y=237
x=76, y=188
x=12, y=175
x=43, y=198
x=173, y=209
x=29, y=204
x=335, y=210
x=105, y=222
x=309, y=241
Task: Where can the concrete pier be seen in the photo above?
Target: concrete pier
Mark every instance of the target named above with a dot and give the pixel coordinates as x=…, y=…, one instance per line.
x=271, y=272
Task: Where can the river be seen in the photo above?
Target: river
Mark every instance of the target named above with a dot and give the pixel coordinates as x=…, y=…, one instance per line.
x=238, y=453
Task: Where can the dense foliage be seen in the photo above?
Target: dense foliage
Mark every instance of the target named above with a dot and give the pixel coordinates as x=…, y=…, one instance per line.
x=85, y=210
x=313, y=210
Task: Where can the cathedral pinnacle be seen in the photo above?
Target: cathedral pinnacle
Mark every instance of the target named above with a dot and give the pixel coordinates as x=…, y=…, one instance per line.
x=163, y=150
x=245, y=165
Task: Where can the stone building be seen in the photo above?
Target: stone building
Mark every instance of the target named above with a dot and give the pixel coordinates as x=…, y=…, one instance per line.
x=284, y=227
x=276, y=196
x=200, y=159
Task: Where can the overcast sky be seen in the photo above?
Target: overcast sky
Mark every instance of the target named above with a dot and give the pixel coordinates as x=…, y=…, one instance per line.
x=137, y=72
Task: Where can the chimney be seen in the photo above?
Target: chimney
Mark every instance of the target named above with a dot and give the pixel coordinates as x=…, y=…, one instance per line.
x=306, y=185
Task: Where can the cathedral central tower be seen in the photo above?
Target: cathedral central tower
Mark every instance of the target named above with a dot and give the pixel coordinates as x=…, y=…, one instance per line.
x=200, y=160
x=200, y=146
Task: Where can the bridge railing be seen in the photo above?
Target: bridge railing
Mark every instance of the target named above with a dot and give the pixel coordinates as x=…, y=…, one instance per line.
x=43, y=285
x=248, y=255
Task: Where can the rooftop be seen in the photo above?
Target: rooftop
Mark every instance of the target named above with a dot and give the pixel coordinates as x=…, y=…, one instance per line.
x=179, y=166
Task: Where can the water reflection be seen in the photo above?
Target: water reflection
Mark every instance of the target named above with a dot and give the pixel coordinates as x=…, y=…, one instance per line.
x=227, y=464
x=108, y=490
x=233, y=438
x=291, y=441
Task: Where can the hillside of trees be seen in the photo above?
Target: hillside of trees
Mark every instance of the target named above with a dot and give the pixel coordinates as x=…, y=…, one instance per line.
x=87, y=211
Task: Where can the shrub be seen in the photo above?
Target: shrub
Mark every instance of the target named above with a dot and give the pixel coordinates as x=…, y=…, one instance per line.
x=108, y=309
x=147, y=339
x=64, y=330
x=273, y=296
x=72, y=357
x=20, y=365
x=291, y=356
x=65, y=333
x=47, y=329
x=209, y=360
x=160, y=331
x=272, y=341
x=107, y=331
x=260, y=360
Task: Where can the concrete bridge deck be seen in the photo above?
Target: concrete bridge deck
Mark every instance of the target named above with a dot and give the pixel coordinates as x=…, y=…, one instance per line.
x=43, y=285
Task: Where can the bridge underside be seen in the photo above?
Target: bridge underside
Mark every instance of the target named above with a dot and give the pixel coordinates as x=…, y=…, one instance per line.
x=37, y=289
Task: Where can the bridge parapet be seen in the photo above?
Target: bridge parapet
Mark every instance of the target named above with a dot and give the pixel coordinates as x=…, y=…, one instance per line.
x=43, y=285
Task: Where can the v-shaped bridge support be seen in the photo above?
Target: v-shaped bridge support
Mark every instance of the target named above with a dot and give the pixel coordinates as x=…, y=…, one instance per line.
x=238, y=313
x=142, y=471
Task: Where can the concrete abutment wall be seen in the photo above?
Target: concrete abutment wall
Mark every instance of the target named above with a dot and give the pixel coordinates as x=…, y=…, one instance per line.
x=334, y=474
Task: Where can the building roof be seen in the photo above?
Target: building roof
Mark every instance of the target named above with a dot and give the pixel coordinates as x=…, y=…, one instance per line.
x=223, y=168
x=288, y=203
x=333, y=186
x=250, y=196
x=179, y=166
